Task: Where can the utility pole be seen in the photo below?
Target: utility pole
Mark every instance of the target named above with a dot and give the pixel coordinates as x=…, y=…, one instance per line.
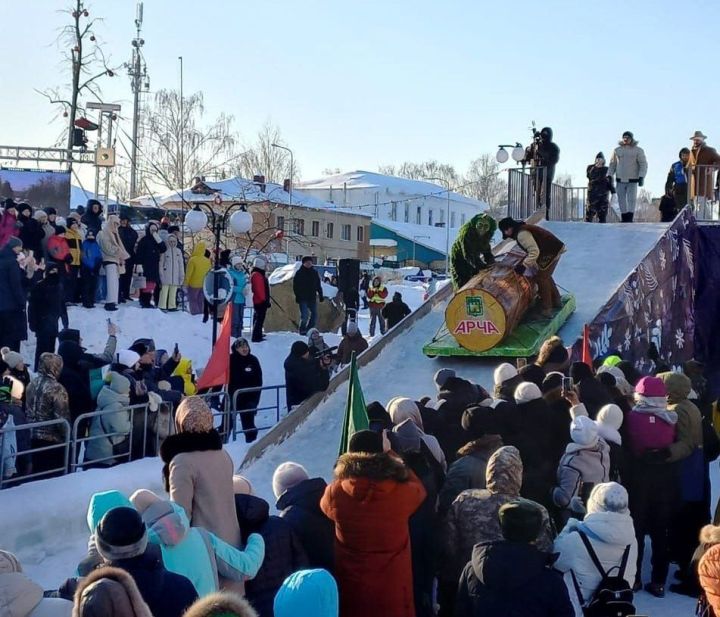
x=140, y=82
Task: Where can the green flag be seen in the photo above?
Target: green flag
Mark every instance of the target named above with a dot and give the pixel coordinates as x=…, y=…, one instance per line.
x=356, y=418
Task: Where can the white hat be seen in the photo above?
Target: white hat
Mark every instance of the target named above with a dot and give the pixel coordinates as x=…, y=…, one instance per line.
x=584, y=431
x=236, y=259
x=608, y=497
x=259, y=262
x=126, y=357
x=610, y=415
x=401, y=408
x=526, y=392
x=12, y=358
x=503, y=373
x=286, y=476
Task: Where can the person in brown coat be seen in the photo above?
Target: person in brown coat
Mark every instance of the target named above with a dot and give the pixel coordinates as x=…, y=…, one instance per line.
x=198, y=473
x=370, y=501
x=543, y=253
x=703, y=163
x=353, y=341
x=109, y=592
x=223, y=604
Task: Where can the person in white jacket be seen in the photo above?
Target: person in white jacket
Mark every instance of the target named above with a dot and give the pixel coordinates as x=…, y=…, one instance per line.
x=22, y=597
x=609, y=527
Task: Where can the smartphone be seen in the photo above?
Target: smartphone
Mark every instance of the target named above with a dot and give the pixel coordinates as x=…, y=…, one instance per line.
x=567, y=385
x=521, y=363
x=176, y=349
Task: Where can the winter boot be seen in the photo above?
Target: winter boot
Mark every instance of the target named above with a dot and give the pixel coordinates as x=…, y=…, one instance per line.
x=145, y=299
x=631, y=217
x=110, y=306
x=625, y=217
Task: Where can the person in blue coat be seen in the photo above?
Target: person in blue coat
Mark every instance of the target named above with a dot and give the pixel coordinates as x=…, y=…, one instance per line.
x=90, y=263
x=308, y=593
x=240, y=281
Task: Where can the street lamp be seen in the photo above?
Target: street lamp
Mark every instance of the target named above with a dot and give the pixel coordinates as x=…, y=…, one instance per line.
x=447, y=224
x=236, y=218
x=518, y=153
x=292, y=166
x=415, y=238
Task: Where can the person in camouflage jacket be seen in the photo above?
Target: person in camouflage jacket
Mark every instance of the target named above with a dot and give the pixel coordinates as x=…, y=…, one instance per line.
x=47, y=399
x=473, y=517
x=472, y=251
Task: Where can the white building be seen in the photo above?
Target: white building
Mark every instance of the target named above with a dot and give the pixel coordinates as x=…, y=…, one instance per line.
x=393, y=199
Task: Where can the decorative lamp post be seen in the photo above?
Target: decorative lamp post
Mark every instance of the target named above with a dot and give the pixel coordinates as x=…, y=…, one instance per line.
x=517, y=153
x=235, y=218
x=292, y=166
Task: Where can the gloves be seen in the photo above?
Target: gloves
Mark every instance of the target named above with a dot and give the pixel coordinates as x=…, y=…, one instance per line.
x=154, y=400
x=641, y=181
x=577, y=506
x=519, y=269
x=655, y=457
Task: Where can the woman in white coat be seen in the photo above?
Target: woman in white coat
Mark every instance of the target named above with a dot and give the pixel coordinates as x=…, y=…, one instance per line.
x=172, y=274
x=609, y=527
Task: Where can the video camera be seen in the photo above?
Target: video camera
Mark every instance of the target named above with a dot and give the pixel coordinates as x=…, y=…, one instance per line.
x=325, y=353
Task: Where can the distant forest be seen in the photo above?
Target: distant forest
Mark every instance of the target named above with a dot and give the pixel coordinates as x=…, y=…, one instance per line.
x=49, y=190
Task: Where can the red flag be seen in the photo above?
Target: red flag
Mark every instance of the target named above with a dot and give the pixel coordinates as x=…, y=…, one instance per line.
x=217, y=370
x=586, y=353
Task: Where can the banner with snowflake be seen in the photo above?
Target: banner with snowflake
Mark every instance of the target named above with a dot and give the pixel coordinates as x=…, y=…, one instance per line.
x=655, y=303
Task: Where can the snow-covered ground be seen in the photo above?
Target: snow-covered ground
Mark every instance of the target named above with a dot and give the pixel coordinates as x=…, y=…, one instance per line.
x=44, y=522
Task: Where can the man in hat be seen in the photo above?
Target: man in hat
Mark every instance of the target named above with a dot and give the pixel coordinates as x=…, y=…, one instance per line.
x=629, y=166
x=600, y=186
x=703, y=162
x=307, y=290
x=543, y=253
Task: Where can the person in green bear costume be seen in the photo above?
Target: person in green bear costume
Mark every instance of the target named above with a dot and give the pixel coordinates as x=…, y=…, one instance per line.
x=471, y=251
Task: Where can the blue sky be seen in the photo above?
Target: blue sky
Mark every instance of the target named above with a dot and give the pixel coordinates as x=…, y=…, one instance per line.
x=358, y=84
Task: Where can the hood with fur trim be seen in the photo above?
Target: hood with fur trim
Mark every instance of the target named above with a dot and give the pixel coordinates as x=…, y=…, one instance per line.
x=224, y=603
x=109, y=592
x=710, y=534
x=504, y=471
x=678, y=387
x=377, y=467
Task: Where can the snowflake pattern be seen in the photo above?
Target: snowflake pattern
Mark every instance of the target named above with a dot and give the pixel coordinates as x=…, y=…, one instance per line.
x=679, y=338
x=663, y=260
x=628, y=340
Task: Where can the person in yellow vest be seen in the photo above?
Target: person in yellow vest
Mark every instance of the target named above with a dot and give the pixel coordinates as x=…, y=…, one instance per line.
x=198, y=266
x=376, y=294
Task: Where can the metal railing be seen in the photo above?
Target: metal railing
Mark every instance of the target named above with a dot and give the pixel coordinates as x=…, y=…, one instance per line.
x=703, y=192
x=137, y=437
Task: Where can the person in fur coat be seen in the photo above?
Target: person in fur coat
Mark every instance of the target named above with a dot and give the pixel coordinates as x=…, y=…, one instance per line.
x=370, y=501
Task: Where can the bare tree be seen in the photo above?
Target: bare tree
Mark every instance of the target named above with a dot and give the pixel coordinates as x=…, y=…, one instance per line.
x=486, y=182
x=644, y=208
x=179, y=146
x=260, y=158
x=421, y=171
x=87, y=61
x=331, y=171
x=565, y=180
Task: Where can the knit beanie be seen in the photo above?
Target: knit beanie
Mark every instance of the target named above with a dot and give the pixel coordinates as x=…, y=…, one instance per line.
x=259, y=263
x=12, y=358
x=286, y=476
x=600, y=155
x=442, y=376
x=370, y=442
x=651, y=387
x=520, y=520
x=532, y=373
x=305, y=589
x=527, y=392
x=127, y=357
x=9, y=563
x=121, y=534
x=608, y=497
x=610, y=415
x=504, y=373
x=352, y=328
x=583, y=431
x=193, y=416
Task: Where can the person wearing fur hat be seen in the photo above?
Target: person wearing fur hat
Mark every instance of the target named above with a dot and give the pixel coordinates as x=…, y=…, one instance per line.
x=147, y=257
x=511, y=576
x=245, y=372
x=586, y=462
x=260, y=287
x=22, y=597
x=553, y=356
x=370, y=501
x=608, y=527
x=352, y=342
x=308, y=593
x=198, y=473
x=121, y=539
x=8, y=221
x=222, y=604
x=109, y=592
x=197, y=268
x=629, y=166
x=92, y=217
x=600, y=187
x=298, y=500
x=707, y=566
x=172, y=274
x=654, y=483
x=304, y=376
x=14, y=284
x=533, y=435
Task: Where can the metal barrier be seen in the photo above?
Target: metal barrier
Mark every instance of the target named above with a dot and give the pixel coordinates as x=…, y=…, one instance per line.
x=238, y=412
x=65, y=445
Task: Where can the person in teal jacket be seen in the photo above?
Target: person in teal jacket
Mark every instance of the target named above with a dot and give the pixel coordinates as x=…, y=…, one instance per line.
x=240, y=279
x=307, y=593
x=193, y=552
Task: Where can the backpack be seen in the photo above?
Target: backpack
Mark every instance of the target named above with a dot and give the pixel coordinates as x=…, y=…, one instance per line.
x=613, y=596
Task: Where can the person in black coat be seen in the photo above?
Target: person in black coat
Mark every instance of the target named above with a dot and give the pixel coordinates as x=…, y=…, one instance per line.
x=283, y=552
x=307, y=289
x=129, y=238
x=31, y=233
x=45, y=308
x=93, y=218
x=591, y=392
x=303, y=374
x=394, y=312
x=298, y=499
x=76, y=379
x=13, y=289
x=512, y=577
x=121, y=540
x=455, y=396
x=245, y=372
x=147, y=255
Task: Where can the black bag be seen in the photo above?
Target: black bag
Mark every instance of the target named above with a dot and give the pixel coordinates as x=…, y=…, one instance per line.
x=613, y=596
x=703, y=608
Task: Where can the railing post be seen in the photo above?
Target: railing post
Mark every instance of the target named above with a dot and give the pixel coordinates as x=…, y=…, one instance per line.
x=2, y=458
